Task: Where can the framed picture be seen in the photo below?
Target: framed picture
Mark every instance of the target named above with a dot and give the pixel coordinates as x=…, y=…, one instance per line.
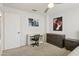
x=57, y=24
x=33, y=22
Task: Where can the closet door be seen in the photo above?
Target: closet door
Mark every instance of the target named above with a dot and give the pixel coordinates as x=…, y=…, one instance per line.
x=23, y=30
x=12, y=30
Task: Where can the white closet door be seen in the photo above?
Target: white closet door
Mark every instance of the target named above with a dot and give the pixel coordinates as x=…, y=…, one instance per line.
x=23, y=30
x=12, y=30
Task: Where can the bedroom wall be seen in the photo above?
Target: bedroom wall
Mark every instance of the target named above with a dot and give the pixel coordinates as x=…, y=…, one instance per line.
x=0, y=33
x=70, y=22
x=23, y=25
x=1, y=29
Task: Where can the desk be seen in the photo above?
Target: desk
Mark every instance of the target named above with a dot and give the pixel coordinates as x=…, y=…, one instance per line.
x=29, y=41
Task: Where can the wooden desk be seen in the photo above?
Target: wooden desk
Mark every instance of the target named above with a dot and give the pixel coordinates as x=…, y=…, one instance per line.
x=29, y=41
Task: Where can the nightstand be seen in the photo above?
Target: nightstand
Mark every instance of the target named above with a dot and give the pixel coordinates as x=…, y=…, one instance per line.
x=71, y=44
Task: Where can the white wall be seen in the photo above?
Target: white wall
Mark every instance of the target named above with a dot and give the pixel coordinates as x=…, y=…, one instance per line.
x=1, y=29
x=0, y=34
x=70, y=22
x=23, y=26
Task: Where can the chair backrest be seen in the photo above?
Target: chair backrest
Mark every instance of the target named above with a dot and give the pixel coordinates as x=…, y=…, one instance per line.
x=36, y=37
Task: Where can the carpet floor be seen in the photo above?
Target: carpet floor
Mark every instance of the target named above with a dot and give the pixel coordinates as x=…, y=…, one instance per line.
x=44, y=49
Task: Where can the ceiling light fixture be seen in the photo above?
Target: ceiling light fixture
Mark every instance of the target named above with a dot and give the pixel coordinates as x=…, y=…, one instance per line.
x=50, y=5
x=34, y=10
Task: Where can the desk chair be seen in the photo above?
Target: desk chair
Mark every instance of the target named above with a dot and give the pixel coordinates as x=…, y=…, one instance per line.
x=36, y=39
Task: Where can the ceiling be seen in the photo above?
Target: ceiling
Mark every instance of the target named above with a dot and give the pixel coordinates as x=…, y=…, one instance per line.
x=41, y=7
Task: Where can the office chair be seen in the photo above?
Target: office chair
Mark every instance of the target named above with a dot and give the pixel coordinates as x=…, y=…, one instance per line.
x=36, y=39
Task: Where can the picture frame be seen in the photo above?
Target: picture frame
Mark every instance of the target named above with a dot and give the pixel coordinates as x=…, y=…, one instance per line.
x=33, y=22
x=57, y=24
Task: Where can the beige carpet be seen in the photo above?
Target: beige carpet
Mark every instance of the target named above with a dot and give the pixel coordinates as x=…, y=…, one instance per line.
x=44, y=49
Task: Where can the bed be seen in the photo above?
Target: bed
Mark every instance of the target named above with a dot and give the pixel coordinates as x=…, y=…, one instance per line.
x=75, y=52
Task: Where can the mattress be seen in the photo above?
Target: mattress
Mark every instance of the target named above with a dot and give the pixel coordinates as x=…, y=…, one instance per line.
x=75, y=52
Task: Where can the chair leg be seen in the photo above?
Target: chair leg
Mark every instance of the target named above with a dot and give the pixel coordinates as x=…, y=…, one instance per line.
x=33, y=45
x=37, y=43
